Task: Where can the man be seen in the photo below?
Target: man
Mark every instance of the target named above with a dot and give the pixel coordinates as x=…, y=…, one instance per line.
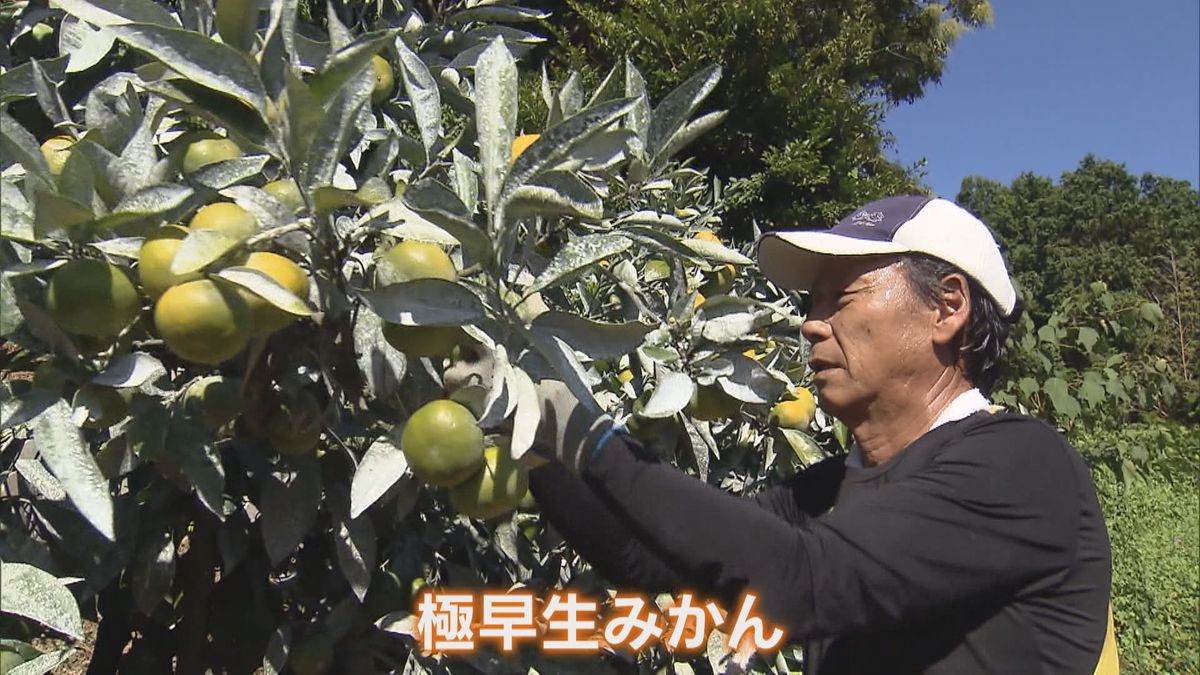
x=954, y=538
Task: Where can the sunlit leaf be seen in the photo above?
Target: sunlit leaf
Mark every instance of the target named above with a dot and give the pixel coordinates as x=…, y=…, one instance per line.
x=39, y=596
x=267, y=288
x=62, y=448
x=596, y=339
x=577, y=255
x=198, y=58
x=380, y=468
x=426, y=302
x=671, y=394
x=495, y=115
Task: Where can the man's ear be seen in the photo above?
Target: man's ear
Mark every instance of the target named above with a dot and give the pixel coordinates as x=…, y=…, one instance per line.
x=953, y=311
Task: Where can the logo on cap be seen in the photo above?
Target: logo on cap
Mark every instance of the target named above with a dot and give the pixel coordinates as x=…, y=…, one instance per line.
x=867, y=218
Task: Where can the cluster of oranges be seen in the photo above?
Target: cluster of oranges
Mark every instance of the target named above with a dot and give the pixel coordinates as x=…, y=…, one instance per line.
x=446, y=448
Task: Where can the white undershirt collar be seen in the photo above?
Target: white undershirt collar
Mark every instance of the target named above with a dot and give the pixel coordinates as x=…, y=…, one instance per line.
x=963, y=406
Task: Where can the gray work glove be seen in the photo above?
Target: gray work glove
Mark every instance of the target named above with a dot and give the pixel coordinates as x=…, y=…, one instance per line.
x=569, y=432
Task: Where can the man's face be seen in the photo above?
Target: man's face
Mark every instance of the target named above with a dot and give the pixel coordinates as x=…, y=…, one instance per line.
x=871, y=337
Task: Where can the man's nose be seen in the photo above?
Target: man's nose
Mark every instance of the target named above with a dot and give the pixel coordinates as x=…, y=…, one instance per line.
x=814, y=330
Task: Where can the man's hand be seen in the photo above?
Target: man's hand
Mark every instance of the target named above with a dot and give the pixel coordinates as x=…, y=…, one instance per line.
x=568, y=431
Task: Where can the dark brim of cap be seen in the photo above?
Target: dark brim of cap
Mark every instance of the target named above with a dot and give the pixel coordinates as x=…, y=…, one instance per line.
x=791, y=258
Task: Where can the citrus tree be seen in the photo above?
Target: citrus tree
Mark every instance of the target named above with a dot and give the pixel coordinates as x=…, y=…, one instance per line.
x=238, y=262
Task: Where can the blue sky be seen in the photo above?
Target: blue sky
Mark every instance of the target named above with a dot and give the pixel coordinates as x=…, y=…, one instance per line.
x=1052, y=80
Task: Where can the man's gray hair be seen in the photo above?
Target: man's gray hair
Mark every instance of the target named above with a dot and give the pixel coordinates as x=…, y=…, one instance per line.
x=983, y=339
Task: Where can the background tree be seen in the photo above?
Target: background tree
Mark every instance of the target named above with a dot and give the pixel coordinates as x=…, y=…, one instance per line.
x=807, y=85
x=1137, y=235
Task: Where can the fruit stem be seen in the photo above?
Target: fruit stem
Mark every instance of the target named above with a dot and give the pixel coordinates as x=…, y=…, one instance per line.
x=274, y=232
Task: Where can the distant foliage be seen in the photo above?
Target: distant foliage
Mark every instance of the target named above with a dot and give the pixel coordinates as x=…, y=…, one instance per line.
x=806, y=88
x=1140, y=236
x=1156, y=549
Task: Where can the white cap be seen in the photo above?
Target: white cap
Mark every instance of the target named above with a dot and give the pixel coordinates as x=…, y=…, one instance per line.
x=904, y=224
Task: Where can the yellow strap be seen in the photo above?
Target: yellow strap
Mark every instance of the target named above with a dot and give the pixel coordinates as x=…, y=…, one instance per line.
x=1110, y=663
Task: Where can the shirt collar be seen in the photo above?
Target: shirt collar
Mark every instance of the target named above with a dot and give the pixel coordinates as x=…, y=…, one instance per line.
x=963, y=406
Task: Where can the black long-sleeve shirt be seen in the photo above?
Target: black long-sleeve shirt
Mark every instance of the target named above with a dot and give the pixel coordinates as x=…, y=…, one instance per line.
x=981, y=547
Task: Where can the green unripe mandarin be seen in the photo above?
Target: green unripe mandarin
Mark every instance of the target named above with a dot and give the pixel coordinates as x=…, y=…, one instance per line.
x=410, y=260
x=203, y=321
x=225, y=217
x=92, y=298
x=443, y=443
x=154, y=260
x=385, y=80
x=495, y=489
x=215, y=400
x=265, y=317
x=287, y=192
x=56, y=150
x=207, y=151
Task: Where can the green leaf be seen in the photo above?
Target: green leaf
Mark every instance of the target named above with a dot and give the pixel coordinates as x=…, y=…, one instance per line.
x=117, y=12
x=17, y=83
x=332, y=137
x=266, y=209
x=268, y=289
x=596, y=339
x=674, y=111
x=130, y=370
x=437, y=203
x=557, y=143
x=495, y=116
x=290, y=500
x=84, y=44
x=222, y=109
x=46, y=91
x=349, y=64
x=200, y=249
x=354, y=540
x=153, y=571
x=423, y=94
x=1087, y=338
x=1060, y=396
x=555, y=193
x=608, y=89
x=750, y=382
x=576, y=256
x=10, y=314
x=716, y=251
x=803, y=445
x=426, y=302
x=1151, y=313
x=18, y=217
x=21, y=146
x=497, y=13
x=382, y=367
x=204, y=61
x=1029, y=386
x=1047, y=335
x=223, y=174
x=684, y=137
x=63, y=450
x=1092, y=393
x=528, y=413
x=148, y=202
x=55, y=214
x=380, y=468
x=671, y=395
x=39, y=596
x=44, y=663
